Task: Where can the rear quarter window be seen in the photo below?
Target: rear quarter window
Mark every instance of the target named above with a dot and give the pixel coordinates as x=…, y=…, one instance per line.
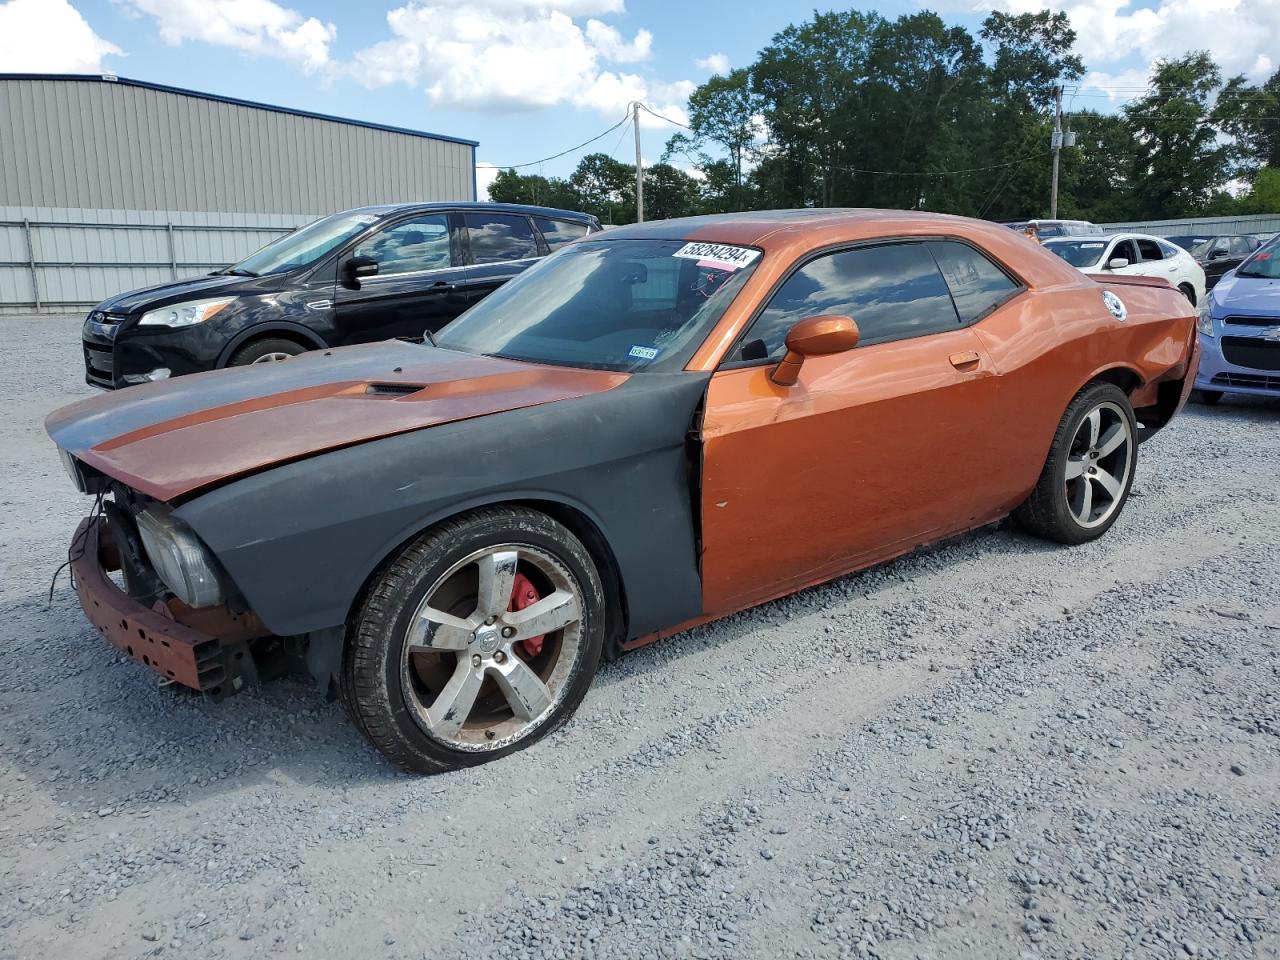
x=977, y=285
x=559, y=232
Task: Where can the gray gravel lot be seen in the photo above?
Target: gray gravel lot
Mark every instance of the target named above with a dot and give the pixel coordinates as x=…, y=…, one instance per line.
x=996, y=748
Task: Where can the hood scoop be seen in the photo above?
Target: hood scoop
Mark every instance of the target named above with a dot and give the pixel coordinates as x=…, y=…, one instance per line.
x=393, y=389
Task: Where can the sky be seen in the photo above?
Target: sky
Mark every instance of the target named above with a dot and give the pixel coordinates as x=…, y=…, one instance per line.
x=531, y=78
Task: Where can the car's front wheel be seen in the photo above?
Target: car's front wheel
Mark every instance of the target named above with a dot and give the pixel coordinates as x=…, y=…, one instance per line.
x=478, y=639
x=266, y=350
x=1086, y=479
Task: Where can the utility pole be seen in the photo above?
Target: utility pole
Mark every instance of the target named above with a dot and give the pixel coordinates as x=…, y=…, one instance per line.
x=635, y=107
x=1057, y=150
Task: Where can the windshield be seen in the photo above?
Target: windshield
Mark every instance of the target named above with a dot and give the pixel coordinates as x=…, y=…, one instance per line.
x=1196, y=246
x=1264, y=263
x=1078, y=253
x=305, y=245
x=624, y=305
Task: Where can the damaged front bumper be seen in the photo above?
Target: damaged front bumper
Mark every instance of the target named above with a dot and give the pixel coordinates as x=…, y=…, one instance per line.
x=206, y=650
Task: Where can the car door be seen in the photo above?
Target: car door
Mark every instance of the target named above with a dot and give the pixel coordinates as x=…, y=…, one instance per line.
x=500, y=246
x=871, y=451
x=1123, y=249
x=420, y=282
x=1151, y=261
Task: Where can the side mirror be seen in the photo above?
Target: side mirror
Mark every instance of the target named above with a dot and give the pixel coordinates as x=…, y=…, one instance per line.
x=358, y=268
x=1117, y=263
x=814, y=337
x=1218, y=254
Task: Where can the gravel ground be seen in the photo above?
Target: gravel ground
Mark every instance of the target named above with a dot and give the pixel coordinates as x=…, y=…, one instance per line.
x=995, y=748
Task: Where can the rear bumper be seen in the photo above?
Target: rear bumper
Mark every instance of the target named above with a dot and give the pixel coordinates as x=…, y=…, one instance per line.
x=1218, y=374
x=215, y=665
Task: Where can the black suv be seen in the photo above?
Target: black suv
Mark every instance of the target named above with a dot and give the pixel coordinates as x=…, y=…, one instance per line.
x=1217, y=254
x=366, y=274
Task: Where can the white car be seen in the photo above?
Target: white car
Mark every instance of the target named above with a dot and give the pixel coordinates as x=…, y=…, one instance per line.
x=1133, y=253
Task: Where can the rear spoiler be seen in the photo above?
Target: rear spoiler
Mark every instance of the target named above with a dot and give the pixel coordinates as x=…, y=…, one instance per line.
x=1128, y=280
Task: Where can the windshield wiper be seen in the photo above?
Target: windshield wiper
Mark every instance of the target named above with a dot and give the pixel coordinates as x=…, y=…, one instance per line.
x=238, y=272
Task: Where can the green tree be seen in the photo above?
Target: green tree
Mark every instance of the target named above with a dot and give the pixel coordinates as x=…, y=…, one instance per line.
x=1180, y=160
x=1030, y=54
x=512, y=187
x=669, y=192
x=1264, y=195
x=606, y=188
x=1096, y=181
x=723, y=117
x=1250, y=115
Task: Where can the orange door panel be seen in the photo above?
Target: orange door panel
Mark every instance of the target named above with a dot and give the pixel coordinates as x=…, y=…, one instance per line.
x=882, y=446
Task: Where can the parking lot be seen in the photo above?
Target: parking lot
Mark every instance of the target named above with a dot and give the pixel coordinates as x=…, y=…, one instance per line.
x=994, y=748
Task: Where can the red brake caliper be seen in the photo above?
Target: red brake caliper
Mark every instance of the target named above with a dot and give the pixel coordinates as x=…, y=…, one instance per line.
x=523, y=594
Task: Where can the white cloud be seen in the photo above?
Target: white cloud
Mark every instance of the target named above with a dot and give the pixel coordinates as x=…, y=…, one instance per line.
x=49, y=36
x=610, y=45
x=255, y=26
x=511, y=55
x=486, y=173
x=714, y=63
x=1243, y=36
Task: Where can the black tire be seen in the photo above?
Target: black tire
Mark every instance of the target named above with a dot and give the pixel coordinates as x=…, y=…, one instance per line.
x=372, y=675
x=1047, y=512
x=1209, y=398
x=1189, y=292
x=256, y=351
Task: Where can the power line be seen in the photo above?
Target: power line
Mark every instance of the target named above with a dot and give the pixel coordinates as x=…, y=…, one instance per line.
x=557, y=156
x=645, y=107
x=942, y=173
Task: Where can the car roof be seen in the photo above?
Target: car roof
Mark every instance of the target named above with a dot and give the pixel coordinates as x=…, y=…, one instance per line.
x=775, y=227
x=787, y=234
x=386, y=209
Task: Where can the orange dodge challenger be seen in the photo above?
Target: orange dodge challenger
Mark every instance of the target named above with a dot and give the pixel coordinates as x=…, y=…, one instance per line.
x=650, y=429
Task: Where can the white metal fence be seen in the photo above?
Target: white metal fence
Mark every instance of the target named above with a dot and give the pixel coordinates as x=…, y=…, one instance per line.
x=1265, y=225
x=54, y=261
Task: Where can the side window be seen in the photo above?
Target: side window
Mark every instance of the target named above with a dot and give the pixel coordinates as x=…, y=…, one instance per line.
x=1171, y=251
x=892, y=292
x=420, y=243
x=559, y=232
x=1150, y=250
x=1240, y=247
x=977, y=285
x=497, y=237
x=1125, y=250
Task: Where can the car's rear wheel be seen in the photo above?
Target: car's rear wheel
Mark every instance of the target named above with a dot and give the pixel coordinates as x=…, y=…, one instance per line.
x=480, y=638
x=1086, y=479
x=266, y=350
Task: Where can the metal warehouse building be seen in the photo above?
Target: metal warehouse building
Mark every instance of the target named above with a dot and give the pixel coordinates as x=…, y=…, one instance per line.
x=108, y=184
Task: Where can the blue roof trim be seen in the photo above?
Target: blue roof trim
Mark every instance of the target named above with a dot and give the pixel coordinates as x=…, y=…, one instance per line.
x=182, y=91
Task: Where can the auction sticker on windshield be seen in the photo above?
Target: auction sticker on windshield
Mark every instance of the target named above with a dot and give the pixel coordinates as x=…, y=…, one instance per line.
x=721, y=255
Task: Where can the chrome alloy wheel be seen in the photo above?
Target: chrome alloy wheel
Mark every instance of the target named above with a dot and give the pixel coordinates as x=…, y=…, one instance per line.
x=468, y=672
x=1099, y=464
x=273, y=357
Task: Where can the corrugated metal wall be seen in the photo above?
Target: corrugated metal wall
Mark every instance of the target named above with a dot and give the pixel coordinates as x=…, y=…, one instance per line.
x=82, y=256
x=200, y=181
x=100, y=144
x=1263, y=226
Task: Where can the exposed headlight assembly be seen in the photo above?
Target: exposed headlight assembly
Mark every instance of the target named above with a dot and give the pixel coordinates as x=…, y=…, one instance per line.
x=185, y=314
x=1204, y=321
x=182, y=562
x=73, y=469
